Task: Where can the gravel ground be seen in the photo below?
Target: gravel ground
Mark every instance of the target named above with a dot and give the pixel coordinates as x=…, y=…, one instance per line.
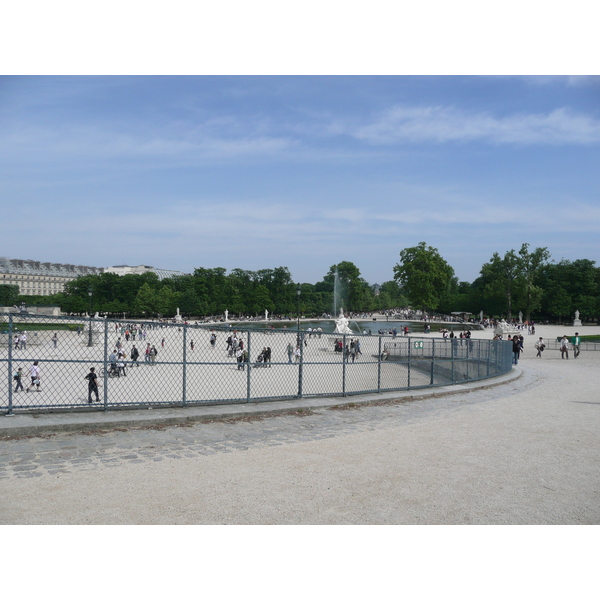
x=524, y=453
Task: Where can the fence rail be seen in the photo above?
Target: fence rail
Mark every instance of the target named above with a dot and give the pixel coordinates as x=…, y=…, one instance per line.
x=201, y=365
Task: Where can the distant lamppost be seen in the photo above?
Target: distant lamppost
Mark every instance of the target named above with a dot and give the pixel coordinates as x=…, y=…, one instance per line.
x=90, y=341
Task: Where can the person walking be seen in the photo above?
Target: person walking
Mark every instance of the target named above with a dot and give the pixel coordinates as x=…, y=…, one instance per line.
x=153, y=352
x=134, y=356
x=92, y=379
x=539, y=345
x=192, y=345
x=239, y=355
x=17, y=377
x=576, y=343
x=34, y=373
x=290, y=352
x=55, y=339
x=564, y=347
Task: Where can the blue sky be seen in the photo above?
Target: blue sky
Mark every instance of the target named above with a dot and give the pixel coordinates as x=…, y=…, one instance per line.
x=299, y=171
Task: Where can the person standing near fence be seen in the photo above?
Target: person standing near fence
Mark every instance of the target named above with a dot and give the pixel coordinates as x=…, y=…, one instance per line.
x=34, y=373
x=92, y=379
x=564, y=347
x=290, y=352
x=576, y=342
x=516, y=348
x=55, y=339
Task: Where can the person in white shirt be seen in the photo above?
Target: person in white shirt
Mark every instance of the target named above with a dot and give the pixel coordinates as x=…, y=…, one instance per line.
x=34, y=373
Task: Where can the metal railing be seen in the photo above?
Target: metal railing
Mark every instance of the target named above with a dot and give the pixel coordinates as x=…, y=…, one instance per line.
x=205, y=365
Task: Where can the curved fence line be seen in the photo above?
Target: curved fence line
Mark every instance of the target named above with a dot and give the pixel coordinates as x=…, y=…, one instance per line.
x=148, y=364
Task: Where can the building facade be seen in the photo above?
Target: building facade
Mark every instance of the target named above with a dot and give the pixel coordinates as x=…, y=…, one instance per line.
x=127, y=270
x=36, y=278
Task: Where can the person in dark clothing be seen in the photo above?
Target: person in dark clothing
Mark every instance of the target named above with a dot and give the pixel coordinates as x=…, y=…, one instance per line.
x=92, y=385
x=516, y=348
x=17, y=377
x=134, y=356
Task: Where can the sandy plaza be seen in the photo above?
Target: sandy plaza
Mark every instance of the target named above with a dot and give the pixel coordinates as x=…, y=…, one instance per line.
x=525, y=452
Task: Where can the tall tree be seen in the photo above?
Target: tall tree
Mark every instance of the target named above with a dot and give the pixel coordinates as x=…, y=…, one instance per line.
x=530, y=266
x=424, y=276
x=501, y=278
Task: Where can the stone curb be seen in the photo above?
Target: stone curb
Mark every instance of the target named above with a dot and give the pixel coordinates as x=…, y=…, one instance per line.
x=46, y=423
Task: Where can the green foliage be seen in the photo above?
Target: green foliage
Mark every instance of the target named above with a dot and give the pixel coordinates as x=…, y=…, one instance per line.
x=9, y=295
x=500, y=278
x=424, y=276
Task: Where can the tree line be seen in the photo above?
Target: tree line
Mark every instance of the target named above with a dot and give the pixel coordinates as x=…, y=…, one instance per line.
x=524, y=280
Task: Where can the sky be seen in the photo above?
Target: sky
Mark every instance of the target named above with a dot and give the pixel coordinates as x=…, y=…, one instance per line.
x=257, y=172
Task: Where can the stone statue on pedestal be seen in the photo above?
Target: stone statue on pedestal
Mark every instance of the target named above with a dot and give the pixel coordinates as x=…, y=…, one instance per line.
x=577, y=321
x=341, y=324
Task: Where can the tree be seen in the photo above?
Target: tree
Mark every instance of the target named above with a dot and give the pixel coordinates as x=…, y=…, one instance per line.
x=351, y=292
x=8, y=294
x=500, y=276
x=424, y=276
x=530, y=265
x=145, y=301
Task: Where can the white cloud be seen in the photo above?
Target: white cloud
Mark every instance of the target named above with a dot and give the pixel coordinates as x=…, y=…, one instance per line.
x=440, y=124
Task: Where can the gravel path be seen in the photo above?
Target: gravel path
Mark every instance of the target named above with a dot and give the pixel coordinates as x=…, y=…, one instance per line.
x=524, y=453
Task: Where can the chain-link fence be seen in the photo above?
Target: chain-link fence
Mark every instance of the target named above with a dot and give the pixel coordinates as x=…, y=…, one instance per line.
x=47, y=363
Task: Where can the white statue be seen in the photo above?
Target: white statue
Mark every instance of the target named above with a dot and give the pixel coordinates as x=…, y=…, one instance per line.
x=178, y=316
x=520, y=317
x=266, y=315
x=577, y=322
x=341, y=324
x=504, y=327
x=577, y=314
x=226, y=315
x=481, y=316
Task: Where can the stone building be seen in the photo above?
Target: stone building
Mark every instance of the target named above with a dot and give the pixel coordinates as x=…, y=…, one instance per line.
x=127, y=270
x=36, y=278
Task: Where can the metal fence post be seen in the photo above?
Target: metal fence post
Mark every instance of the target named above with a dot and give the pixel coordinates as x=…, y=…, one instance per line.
x=409, y=360
x=184, y=383
x=248, y=363
x=343, y=364
x=432, y=360
x=453, y=348
x=105, y=366
x=300, y=338
x=379, y=367
x=10, y=364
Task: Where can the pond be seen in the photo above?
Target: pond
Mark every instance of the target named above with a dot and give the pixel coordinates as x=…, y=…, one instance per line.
x=361, y=326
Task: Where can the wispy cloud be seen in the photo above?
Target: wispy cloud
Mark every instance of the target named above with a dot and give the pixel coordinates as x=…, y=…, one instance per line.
x=441, y=124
